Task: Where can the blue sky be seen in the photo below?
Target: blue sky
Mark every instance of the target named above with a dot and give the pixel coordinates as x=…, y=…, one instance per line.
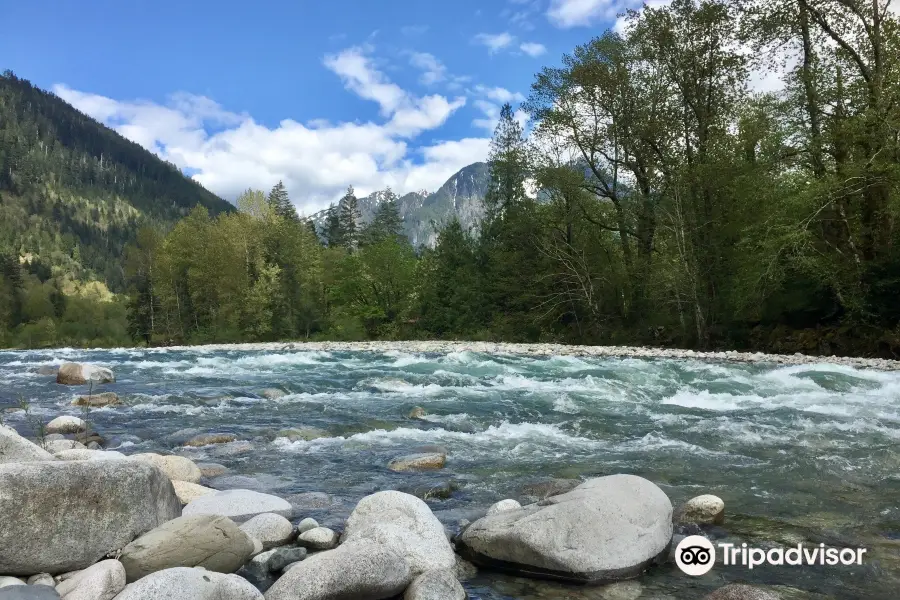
x=319, y=94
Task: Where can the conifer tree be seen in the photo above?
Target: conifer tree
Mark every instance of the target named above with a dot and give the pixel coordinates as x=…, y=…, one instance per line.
x=281, y=202
x=387, y=223
x=349, y=219
x=334, y=235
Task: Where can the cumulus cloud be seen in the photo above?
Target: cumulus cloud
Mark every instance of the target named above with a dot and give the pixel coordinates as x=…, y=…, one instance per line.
x=494, y=41
x=228, y=152
x=489, y=104
x=575, y=13
x=533, y=48
x=433, y=70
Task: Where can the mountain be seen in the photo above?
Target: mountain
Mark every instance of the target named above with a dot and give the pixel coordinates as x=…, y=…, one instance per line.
x=424, y=213
x=73, y=192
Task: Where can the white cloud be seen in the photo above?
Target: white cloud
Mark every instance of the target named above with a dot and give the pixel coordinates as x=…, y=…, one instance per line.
x=494, y=41
x=499, y=94
x=533, y=48
x=490, y=108
x=432, y=69
x=574, y=13
x=228, y=152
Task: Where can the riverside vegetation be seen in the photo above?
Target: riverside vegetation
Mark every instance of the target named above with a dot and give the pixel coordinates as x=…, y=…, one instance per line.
x=675, y=206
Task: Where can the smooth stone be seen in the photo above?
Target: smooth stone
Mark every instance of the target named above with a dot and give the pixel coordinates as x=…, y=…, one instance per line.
x=739, y=591
x=209, y=439
x=209, y=541
x=418, y=462
x=702, y=510
x=440, y=584
x=320, y=538
x=360, y=570
x=406, y=526
x=282, y=557
x=54, y=446
x=183, y=583
x=16, y=449
x=175, y=467
x=607, y=528
x=257, y=572
x=239, y=505
x=188, y=492
x=97, y=507
x=66, y=424
x=270, y=529
x=97, y=400
x=307, y=524
x=6, y=581
x=80, y=374
x=417, y=412
x=42, y=579
x=212, y=469
x=503, y=505
x=28, y=592
x=78, y=454
x=102, y=581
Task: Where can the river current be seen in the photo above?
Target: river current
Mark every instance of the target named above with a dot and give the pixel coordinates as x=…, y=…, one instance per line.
x=801, y=453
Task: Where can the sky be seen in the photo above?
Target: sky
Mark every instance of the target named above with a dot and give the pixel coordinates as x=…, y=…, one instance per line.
x=321, y=95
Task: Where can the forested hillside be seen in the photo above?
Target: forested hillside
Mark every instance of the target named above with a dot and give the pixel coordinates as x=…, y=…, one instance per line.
x=72, y=195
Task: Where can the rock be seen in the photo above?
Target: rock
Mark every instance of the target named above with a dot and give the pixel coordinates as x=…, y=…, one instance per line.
x=209, y=541
x=464, y=570
x=431, y=449
x=621, y=590
x=66, y=424
x=306, y=524
x=320, y=538
x=360, y=570
x=406, y=526
x=739, y=591
x=188, y=492
x=282, y=557
x=28, y=592
x=10, y=581
x=302, y=434
x=239, y=482
x=208, y=439
x=47, y=370
x=80, y=374
x=16, y=449
x=88, y=454
x=289, y=566
x=272, y=393
x=54, y=446
x=702, y=510
x=182, y=583
x=257, y=572
x=553, y=487
x=102, y=581
x=503, y=505
x=97, y=400
x=270, y=529
x=212, y=469
x=310, y=500
x=239, y=505
x=42, y=579
x=440, y=584
x=607, y=528
x=418, y=462
x=417, y=412
x=89, y=436
x=175, y=467
x=94, y=446
x=96, y=507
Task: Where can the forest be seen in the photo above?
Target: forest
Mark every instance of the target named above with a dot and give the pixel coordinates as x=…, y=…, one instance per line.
x=676, y=206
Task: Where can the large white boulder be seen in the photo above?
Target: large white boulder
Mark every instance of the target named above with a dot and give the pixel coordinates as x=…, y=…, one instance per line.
x=178, y=468
x=16, y=449
x=80, y=374
x=270, y=529
x=607, y=528
x=63, y=516
x=404, y=524
x=239, y=505
x=66, y=424
x=183, y=583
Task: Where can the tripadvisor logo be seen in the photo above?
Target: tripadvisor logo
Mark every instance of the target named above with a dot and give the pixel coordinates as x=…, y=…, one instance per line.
x=696, y=555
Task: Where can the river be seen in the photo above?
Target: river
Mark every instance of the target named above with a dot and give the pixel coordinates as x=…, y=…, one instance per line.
x=807, y=452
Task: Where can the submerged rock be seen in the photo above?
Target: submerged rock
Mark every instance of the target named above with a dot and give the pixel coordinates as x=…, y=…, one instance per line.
x=272, y=393
x=212, y=469
x=175, y=467
x=239, y=505
x=423, y=461
x=66, y=424
x=80, y=374
x=553, y=487
x=16, y=449
x=302, y=434
x=607, y=528
x=182, y=583
x=63, y=516
x=97, y=400
x=439, y=584
x=702, y=510
x=311, y=500
x=208, y=439
x=102, y=581
x=739, y=591
x=417, y=412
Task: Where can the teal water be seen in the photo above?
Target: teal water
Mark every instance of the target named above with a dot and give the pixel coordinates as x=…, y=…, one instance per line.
x=798, y=453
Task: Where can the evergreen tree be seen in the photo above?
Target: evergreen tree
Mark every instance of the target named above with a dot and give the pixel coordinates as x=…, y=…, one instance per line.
x=281, y=203
x=349, y=218
x=508, y=162
x=334, y=234
x=387, y=223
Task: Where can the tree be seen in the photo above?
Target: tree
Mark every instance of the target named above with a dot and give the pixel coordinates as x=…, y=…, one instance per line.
x=334, y=233
x=281, y=204
x=349, y=219
x=509, y=166
x=387, y=222
x=140, y=260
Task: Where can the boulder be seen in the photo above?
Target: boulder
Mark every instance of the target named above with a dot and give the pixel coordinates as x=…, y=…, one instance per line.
x=440, y=584
x=175, y=467
x=406, y=526
x=80, y=374
x=66, y=424
x=302, y=434
x=10, y=581
x=209, y=541
x=28, y=592
x=503, y=505
x=423, y=461
x=417, y=412
x=208, y=439
x=257, y=572
x=320, y=538
x=54, y=446
x=98, y=582
x=272, y=393
x=540, y=490
x=361, y=570
x=212, y=469
x=270, y=529
x=464, y=570
x=701, y=510
x=606, y=529
x=64, y=516
x=47, y=370
x=239, y=505
x=97, y=400
x=88, y=454
x=307, y=524
x=182, y=583
x=739, y=591
x=187, y=492
x=16, y=449
x=282, y=557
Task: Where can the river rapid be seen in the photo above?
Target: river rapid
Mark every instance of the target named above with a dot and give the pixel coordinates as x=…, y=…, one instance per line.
x=806, y=452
